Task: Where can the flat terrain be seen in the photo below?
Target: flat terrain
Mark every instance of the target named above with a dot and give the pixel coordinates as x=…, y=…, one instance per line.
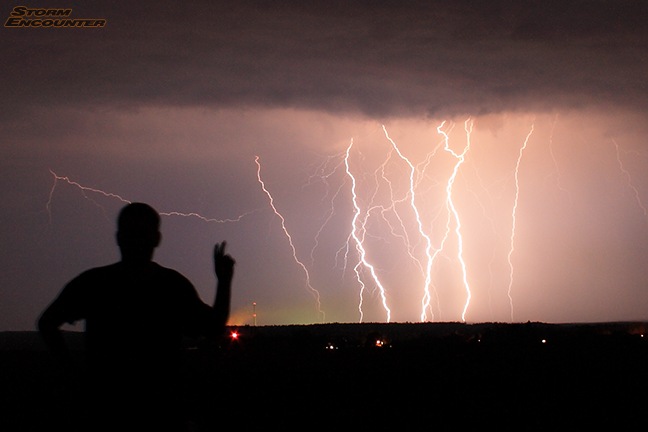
x=437, y=376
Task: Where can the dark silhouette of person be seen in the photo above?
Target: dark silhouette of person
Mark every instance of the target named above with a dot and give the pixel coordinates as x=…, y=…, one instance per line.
x=137, y=314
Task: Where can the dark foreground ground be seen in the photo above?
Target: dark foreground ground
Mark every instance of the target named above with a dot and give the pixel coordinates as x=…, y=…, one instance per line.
x=437, y=376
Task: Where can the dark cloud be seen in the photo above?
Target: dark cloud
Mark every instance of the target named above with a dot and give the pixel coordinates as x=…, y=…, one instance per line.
x=376, y=58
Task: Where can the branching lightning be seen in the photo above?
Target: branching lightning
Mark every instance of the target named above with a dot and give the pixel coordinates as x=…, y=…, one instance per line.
x=428, y=242
x=325, y=174
x=315, y=293
x=362, y=253
x=85, y=189
x=460, y=157
x=393, y=195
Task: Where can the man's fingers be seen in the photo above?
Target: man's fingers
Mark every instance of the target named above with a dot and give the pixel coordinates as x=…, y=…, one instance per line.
x=219, y=250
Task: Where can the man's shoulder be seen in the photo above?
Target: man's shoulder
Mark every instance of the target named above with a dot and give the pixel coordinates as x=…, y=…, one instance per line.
x=170, y=273
x=99, y=271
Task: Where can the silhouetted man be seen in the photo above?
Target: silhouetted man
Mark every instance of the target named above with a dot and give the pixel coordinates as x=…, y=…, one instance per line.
x=136, y=315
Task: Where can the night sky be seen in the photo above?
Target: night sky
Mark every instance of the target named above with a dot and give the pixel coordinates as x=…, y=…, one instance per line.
x=394, y=161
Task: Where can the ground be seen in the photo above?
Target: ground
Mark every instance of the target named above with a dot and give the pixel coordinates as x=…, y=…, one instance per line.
x=443, y=376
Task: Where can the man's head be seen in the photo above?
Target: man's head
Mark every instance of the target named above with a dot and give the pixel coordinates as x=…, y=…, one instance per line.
x=138, y=232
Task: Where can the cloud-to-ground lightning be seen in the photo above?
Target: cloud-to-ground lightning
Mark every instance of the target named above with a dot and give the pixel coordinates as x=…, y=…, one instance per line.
x=408, y=207
x=428, y=242
x=516, y=174
x=313, y=291
x=85, y=189
x=452, y=209
x=360, y=246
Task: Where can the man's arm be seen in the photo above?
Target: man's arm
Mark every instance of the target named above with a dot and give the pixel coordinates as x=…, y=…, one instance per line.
x=49, y=326
x=224, y=268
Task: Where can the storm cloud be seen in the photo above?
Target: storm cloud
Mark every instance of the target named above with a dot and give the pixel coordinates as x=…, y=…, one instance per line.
x=392, y=58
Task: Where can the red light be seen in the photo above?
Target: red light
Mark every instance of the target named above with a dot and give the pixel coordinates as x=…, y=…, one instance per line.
x=234, y=335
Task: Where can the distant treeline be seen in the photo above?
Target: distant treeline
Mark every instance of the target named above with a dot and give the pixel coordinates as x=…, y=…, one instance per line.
x=338, y=335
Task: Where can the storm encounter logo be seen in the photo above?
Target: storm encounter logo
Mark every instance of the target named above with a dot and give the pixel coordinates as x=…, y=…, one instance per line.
x=24, y=17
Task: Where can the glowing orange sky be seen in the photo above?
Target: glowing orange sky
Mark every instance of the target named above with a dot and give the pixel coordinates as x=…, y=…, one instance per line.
x=577, y=210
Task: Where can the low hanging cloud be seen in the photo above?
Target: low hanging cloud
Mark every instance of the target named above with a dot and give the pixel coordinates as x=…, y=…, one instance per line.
x=389, y=58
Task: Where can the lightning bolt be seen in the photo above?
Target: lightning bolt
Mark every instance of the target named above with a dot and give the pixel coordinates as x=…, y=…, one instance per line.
x=313, y=291
x=514, y=216
x=468, y=126
x=84, y=189
x=397, y=231
x=393, y=192
x=453, y=214
x=359, y=245
x=428, y=241
x=324, y=175
x=629, y=181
